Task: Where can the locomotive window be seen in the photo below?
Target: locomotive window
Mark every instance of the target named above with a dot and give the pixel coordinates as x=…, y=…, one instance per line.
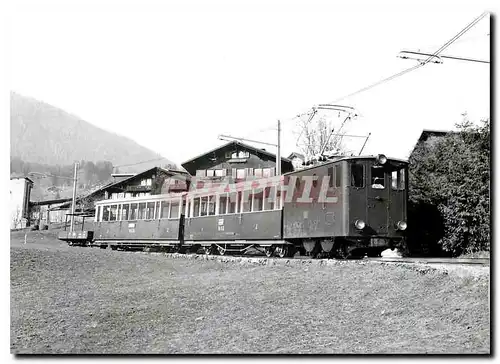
x=133, y=211
x=223, y=200
x=246, y=201
x=125, y=210
x=233, y=203
x=357, y=175
x=196, y=207
x=150, y=208
x=402, y=179
x=211, y=205
x=378, y=178
x=394, y=180
x=330, y=176
x=203, y=206
x=174, y=210
x=338, y=176
x=105, y=213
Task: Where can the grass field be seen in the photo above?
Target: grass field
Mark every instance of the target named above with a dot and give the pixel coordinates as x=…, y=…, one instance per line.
x=88, y=300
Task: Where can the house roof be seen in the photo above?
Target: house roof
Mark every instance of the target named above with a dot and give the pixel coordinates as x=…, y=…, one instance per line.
x=426, y=133
x=22, y=177
x=50, y=202
x=295, y=154
x=113, y=184
x=237, y=143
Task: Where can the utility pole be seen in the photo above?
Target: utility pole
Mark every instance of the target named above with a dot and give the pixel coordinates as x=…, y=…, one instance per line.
x=278, y=153
x=74, y=199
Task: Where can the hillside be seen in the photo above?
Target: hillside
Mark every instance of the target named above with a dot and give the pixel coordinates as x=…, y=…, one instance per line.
x=44, y=134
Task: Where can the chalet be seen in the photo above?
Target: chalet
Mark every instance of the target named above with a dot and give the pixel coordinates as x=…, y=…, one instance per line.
x=428, y=134
x=235, y=162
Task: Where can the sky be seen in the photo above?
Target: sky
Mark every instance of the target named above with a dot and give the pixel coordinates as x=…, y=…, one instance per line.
x=174, y=75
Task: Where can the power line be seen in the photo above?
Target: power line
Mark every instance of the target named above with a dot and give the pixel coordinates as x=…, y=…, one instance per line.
x=134, y=164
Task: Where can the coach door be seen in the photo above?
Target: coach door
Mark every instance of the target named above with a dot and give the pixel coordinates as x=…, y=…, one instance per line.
x=378, y=201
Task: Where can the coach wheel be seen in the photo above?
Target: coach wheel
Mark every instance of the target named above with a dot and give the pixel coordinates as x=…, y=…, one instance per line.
x=222, y=251
x=269, y=250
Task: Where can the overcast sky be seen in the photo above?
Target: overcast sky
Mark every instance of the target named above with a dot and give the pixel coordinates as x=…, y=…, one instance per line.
x=174, y=76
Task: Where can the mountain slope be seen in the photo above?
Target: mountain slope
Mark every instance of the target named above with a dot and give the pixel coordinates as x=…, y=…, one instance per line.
x=45, y=134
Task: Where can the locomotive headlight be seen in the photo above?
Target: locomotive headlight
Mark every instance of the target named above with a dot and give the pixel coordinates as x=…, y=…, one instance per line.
x=381, y=159
x=401, y=225
x=359, y=224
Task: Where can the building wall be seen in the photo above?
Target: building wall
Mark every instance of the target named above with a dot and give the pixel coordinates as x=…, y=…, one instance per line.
x=20, y=191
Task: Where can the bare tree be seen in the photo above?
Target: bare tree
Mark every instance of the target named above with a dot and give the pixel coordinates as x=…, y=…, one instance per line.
x=320, y=134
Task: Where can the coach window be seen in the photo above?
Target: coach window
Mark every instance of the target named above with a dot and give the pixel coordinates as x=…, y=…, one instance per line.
x=112, y=213
x=233, y=203
x=196, y=207
x=203, y=205
x=150, y=208
x=165, y=206
x=378, y=180
x=98, y=213
x=133, y=211
x=246, y=199
x=257, y=203
x=174, y=210
x=210, y=205
x=105, y=213
x=125, y=210
x=158, y=210
x=119, y=213
x=357, y=175
x=269, y=198
x=223, y=204
x=402, y=184
x=142, y=211
x=279, y=195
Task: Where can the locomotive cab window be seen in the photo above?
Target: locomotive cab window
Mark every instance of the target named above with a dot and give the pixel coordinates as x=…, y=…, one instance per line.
x=398, y=179
x=357, y=175
x=378, y=178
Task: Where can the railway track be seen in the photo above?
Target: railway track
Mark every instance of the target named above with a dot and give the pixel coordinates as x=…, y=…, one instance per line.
x=467, y=261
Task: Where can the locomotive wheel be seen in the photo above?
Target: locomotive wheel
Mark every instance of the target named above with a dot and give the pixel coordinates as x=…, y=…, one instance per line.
x=269, y=250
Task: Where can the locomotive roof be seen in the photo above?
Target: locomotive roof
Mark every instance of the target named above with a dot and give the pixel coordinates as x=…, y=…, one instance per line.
x=346, y=158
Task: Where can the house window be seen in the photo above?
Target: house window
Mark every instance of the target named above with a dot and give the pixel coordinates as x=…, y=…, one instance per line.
x=357, y=175
x=241, y=173
x=257, y=172
x=148, y=182
x=210, y=172
x=378, y=180
x=267, y=172
x=200, y=173
x=220, y=172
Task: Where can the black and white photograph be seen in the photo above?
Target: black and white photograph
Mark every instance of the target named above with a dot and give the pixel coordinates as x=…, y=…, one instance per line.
x=242, y=178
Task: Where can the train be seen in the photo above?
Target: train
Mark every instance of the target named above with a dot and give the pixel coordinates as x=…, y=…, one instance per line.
x=346, y=207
